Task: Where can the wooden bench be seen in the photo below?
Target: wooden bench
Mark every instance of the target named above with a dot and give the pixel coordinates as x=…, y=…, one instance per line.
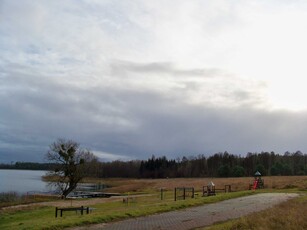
x=81, y=209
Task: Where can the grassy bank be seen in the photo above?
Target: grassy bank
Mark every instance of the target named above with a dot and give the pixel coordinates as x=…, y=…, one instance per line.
x=289, y=215
x=13, y=198
x=36, y=217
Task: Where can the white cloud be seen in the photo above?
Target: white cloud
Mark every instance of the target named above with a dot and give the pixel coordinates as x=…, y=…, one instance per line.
x=110, y=156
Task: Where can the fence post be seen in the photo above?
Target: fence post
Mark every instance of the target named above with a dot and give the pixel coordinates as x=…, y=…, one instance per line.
x=161, y=193
x=184, y=193
x=175, y=194
x=193, y=192
x=56, y=212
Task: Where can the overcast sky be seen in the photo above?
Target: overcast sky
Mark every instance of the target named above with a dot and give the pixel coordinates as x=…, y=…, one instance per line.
x=128, y=79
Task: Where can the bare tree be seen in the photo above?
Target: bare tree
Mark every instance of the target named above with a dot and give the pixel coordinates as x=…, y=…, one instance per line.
x=71, y=163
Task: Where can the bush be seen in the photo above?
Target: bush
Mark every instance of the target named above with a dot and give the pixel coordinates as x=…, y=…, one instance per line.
x=224, y=171
x=238, y=171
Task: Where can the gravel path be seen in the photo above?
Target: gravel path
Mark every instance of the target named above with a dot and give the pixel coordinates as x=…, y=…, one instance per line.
x=200, y=216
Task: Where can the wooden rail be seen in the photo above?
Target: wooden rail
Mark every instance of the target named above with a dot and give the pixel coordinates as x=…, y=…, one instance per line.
x=210, y=191
x=187, y=192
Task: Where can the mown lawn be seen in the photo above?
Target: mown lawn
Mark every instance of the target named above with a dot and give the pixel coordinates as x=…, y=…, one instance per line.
x=44, y=217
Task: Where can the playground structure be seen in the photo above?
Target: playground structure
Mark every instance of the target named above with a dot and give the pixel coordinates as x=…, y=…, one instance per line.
x=258, y=183
x=210, y=189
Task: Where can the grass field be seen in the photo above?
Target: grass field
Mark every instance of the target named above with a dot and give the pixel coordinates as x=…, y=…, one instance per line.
x=237, y=184
x=43, y=216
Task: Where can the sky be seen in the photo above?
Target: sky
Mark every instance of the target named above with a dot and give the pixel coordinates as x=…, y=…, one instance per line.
x=132, y=79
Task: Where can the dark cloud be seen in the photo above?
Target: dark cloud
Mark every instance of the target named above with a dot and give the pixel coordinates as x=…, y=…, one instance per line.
x=36, y=110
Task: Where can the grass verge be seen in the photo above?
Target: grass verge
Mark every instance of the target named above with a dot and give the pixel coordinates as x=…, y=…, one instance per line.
x=289, y=215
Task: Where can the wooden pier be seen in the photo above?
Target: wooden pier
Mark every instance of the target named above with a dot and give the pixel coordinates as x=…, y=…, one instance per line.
x=83, y=194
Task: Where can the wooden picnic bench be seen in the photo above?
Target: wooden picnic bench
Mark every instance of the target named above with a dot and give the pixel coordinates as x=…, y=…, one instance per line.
x=81, y=209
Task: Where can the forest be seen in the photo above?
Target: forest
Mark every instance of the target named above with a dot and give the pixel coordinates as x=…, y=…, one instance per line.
x=28, y=166
x=217, y=165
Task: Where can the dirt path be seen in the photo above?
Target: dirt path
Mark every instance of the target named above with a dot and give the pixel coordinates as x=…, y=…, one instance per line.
x=74, y=202
x=195, y=217
x=64, y=203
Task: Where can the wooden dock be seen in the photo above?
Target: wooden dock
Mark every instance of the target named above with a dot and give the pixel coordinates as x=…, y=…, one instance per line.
x=84, y=194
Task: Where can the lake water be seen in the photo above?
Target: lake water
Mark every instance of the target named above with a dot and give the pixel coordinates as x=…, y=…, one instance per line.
x=22, y=181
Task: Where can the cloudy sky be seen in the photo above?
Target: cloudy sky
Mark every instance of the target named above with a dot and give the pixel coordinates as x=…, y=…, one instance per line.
x=128, y=79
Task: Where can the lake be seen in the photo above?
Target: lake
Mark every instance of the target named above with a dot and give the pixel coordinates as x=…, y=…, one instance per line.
x=22, y=181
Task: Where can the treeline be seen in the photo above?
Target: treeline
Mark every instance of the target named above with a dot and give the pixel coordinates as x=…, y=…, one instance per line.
x=217, y=165
x=28, y=166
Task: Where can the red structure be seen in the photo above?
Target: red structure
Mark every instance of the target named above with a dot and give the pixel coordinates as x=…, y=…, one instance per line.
x=258, y=182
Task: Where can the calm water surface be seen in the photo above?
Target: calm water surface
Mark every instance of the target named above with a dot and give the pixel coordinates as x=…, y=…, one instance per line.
x=22, y=181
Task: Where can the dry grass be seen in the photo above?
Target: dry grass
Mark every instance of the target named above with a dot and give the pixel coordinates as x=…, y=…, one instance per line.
x=237, y=184
x=289, y=215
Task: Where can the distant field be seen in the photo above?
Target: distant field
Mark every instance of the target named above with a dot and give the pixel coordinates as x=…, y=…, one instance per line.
x=237, y=184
